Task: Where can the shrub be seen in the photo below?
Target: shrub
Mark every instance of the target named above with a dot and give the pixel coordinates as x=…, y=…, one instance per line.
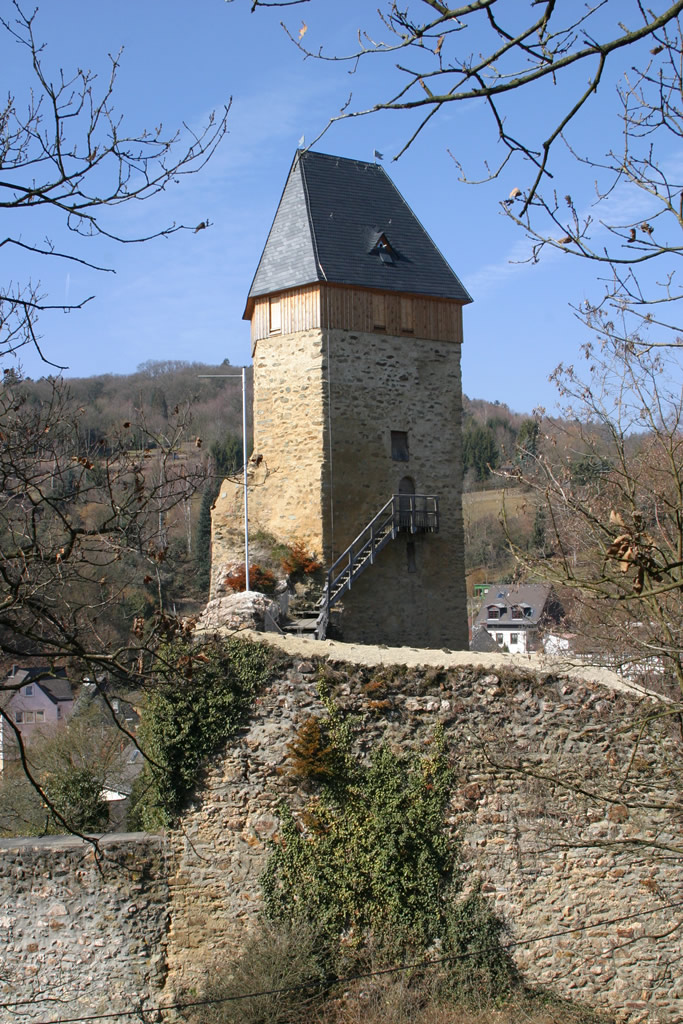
x=260, y=579
x=288, y=964
x=481, y=970
x=76, y=792
x=311, y=755
x=298, y=562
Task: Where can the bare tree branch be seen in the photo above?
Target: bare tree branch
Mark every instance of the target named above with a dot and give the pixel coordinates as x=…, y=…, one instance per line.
x=65, y=149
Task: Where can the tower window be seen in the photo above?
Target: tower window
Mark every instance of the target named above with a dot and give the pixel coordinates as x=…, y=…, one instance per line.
x=379, y=314
x=275, y=316
x=407, y=321
x=399, y=446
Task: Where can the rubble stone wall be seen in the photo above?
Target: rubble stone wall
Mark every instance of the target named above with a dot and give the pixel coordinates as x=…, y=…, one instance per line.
x=325, y=405
x=82, y=931
x=569, y=812
x=379, y=384
x=572, y=830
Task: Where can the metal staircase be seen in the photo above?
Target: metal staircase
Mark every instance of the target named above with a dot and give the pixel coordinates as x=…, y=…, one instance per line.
x=403, y=513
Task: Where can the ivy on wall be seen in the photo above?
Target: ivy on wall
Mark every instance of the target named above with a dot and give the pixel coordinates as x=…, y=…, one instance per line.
x=201, y=695
x=370, y=859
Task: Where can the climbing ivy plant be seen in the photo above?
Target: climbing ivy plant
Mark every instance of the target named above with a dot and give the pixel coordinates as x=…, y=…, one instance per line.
x=370, y=859
x=200, y=695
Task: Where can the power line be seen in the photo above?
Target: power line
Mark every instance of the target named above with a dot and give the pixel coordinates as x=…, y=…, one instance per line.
x=421, y=965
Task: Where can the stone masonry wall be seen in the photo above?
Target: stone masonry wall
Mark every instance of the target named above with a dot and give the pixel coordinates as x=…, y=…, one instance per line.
x=289, y=423
x=286, y=471
x=569, y=815
x=379, y=383
x=78, y=937
x=575, y=833
x=325, y=403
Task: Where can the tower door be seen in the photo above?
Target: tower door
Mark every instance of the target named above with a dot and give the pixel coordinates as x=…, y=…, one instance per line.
x=406, y=502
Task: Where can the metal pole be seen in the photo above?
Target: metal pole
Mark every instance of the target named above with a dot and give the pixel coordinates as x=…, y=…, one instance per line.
x=244, y=463
x=244, y=454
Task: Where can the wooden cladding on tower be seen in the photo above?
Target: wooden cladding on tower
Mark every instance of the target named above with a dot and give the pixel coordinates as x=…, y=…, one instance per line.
x=356, y=309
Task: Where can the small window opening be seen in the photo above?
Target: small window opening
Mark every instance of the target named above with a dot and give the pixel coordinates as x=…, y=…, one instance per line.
x=379, y=313
x=399, y=446
x=28, y=690
x=410, y=554
x=30, y=716
x=275, y=316
x=514, y=638
x=407, y=323
x=499, y=638
x=18, y=717
x=40, y=716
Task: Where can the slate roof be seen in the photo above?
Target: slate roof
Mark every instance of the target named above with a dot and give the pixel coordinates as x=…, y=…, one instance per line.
x=534, y=595
x=53, y=682
x=482, y=641
x=329, y=226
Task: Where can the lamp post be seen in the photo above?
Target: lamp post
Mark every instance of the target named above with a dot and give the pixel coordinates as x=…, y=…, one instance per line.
x=243, y=375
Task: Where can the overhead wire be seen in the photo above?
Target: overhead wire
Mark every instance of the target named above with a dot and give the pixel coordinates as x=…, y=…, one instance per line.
x=419, y=965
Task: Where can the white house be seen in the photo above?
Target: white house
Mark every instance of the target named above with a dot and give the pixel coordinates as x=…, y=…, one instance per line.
x=511, y=614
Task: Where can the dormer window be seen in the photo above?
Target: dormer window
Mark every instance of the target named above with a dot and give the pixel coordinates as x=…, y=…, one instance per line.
x=386, y=254
x=517, y=612
x=384, y=251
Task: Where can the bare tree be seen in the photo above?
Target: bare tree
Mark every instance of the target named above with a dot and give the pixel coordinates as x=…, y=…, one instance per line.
x=79, y=533
x=492, y=53
x=64, y=147
x=489, y=50
x=616, y=534
x=613, y=503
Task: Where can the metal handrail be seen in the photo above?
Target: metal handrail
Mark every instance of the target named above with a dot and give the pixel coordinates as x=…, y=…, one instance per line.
x=365, y=529
x=412, y=513
x=397, y=502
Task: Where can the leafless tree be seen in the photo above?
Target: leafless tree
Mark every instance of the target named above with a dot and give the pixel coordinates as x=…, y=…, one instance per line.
x=490, y=50
x=613, y=499
x=82, y=525
x=560, y=57
x=63, y=147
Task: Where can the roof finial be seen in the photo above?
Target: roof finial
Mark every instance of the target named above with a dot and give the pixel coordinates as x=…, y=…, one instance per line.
x=302, y=140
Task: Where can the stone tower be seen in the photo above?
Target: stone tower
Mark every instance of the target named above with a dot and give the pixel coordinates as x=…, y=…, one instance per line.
x=356, y=326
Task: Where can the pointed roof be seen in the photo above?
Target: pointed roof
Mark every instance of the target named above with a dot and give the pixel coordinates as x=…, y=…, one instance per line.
x=345, y=222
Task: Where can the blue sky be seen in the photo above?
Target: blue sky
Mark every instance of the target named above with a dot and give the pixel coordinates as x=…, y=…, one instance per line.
x=183, y=297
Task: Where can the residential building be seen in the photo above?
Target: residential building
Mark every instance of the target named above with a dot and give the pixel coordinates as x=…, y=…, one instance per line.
x=35, y=698
x=512, y=614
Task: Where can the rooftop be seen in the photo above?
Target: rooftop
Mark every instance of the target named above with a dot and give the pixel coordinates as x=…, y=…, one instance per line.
x=344, y=221
x=528, y=599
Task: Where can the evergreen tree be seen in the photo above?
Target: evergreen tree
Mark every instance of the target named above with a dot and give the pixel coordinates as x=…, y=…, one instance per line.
x=480, y=451
x=527, y=440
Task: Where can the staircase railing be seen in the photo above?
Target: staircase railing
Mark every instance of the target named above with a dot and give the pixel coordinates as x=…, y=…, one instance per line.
x=403, y=513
